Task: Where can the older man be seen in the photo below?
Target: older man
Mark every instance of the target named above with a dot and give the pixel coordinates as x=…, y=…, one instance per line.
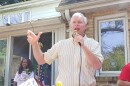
x=78, y=56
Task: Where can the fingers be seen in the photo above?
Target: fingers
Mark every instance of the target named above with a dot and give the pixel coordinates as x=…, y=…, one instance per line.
x=39, y=34
x=75, y=33
x=30, y=33
x=29, y=39
x=78, y=38
x=32, y=38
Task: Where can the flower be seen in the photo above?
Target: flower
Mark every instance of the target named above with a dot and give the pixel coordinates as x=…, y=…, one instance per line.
x=58, y=83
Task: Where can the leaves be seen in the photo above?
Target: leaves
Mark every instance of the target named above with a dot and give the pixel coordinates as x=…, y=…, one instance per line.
x=7, y=2
x=115, y=60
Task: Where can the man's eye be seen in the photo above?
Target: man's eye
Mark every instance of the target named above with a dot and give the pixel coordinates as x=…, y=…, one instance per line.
x=74, y=22
x=79, y=22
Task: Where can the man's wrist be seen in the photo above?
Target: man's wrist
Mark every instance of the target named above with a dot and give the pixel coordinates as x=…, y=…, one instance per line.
x=35, y=44
x=82, y=45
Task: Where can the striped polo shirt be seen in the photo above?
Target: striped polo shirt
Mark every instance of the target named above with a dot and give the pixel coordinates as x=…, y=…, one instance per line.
x=69, y=55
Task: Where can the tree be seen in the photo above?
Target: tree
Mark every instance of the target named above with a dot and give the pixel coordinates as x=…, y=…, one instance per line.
x=2, y=44
x=7, y=2
x=115, y=60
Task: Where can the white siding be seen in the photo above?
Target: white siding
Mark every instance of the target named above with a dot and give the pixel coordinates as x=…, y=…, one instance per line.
x=44, y=12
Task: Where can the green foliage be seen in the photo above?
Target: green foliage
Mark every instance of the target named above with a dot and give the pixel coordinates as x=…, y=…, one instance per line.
x=115, y=60
x=3, y=44
x=8, y=2
x=3, y=52
x=2, y=0
x=18, y=0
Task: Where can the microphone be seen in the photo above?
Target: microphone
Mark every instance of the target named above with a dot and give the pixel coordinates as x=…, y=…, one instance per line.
x=74, y=34
x=79, y=43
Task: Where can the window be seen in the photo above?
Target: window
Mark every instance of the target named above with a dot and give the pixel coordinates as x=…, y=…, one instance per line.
x=45, y=42
x=16, y=18
x=0, y=20
x=26, y=16
x=112, y=36
x=3, y=46
x=112, y=44
x=5, y=20
x=20, y=49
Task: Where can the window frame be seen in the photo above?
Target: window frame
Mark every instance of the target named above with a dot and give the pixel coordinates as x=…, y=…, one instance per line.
x=124, y=17
x=9, y=16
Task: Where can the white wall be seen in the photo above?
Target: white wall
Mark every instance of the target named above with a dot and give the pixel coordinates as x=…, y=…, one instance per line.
x=42, y=12
x=38, y=9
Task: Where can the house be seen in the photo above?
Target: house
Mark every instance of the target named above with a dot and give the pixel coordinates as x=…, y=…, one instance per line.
x=108, y=23
x=15, y=20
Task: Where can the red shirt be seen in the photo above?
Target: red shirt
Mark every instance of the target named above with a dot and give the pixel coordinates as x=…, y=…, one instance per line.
x=125, y=73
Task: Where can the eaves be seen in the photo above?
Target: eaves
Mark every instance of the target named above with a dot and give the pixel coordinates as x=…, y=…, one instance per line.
x=27, y=4
x=94, y=5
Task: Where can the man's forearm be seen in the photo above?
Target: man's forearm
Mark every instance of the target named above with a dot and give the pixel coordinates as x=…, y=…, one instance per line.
x=38, y=55
x=92, y=59
x=123, y=83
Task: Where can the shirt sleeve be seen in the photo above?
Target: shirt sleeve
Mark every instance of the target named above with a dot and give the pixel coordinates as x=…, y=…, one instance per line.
x=16, y=77
x=52, y=53
x=97, y=52
x=96, y=49
x=125, y=75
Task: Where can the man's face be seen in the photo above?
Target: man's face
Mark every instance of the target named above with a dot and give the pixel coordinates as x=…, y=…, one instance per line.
x=77, y=24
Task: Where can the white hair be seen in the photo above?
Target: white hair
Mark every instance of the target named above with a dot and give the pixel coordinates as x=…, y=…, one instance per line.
x=80, y=14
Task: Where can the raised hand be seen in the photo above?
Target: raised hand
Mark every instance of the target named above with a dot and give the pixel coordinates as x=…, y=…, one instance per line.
x=78, y=38
x=32, y=38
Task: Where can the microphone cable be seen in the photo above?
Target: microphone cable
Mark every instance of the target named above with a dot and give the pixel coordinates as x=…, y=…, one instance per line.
x=73, y=35
x=80, y=65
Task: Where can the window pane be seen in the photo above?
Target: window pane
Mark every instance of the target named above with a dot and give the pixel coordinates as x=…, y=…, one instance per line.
x=26, y=16
x=112, y=44
x=15, y=18
x=5, y=20
x=21, y=46
x=1, y=23
x=45, y=43
x=20, y=49
x=3, y=46
x=46, y=40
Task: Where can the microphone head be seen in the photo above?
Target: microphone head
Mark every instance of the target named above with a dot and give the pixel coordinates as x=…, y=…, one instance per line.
x=74, y=33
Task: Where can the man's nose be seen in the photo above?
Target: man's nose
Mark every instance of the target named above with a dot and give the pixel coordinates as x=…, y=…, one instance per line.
x=76, y=24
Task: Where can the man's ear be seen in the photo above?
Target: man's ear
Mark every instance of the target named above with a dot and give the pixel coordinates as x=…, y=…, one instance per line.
x=86, y=26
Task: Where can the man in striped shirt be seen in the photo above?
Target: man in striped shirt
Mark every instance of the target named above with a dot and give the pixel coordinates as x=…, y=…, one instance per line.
x=78, y=57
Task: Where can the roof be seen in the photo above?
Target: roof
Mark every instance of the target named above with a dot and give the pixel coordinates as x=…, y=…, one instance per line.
x=66, y=2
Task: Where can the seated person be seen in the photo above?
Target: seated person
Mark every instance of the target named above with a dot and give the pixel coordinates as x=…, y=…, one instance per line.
x=124, y=77
x=24, y=72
